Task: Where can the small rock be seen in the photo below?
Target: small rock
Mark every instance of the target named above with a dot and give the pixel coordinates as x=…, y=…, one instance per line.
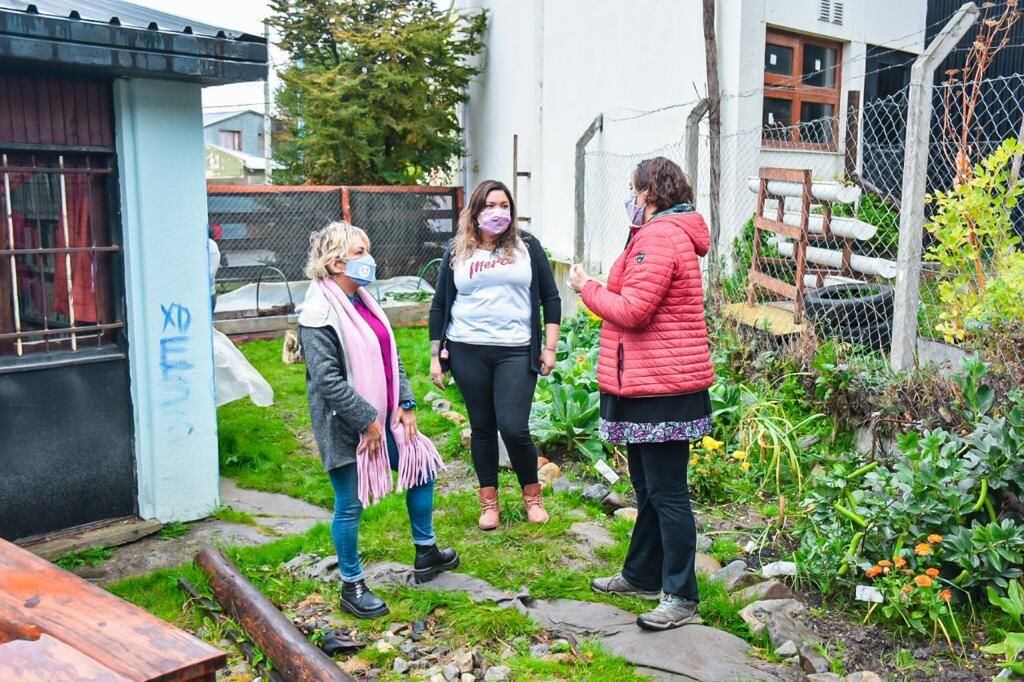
x=787, y=649
x=322, y=569
x=824, y=677
x=548, y=473
x=792, y=660
x=385, y=647
x=741, y=580
x=863, y=676
x=300, y=560
x=434, y=672
x=812, y=661
x=541, y=461
x=613, y=501
x=809, y=441
x=468, y=677
x=707, y=565
x=592, y=533
x=438, y=677
x=401, y=666
x=703, y=543
x=758, y=614
x=419, y=626
x=431, y=397
x=817, y=471
x=467, y=438
x=441, y=405
x=737, y=567
x=409, y=649
x=629, y=513
x=777, y=568
x=454, y=417
x=498, y=673
x=770, y=589
x=451, y=672
x=539, y=650
x=595, y=492
x=465, y=661
x=564, y=485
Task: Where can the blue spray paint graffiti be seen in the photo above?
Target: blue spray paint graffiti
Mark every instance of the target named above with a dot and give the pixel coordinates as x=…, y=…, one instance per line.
x=175, y=367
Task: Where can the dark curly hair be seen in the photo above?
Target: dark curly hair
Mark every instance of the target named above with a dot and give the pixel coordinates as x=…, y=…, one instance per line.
x=665, y=182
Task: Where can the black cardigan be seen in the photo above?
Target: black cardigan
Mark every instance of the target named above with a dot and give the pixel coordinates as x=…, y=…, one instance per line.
x=542, y=292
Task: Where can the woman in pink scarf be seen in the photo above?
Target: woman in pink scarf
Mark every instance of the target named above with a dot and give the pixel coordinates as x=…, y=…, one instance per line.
x=362, y=410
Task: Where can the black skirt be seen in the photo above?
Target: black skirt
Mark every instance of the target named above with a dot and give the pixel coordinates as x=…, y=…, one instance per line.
x=657, y=419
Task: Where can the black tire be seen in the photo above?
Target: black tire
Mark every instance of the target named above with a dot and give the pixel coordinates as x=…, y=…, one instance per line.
x=849, y=306
x=877, y=336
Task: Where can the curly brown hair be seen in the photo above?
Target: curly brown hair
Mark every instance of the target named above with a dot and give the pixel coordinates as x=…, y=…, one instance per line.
x=665, y=182
x=467, y=238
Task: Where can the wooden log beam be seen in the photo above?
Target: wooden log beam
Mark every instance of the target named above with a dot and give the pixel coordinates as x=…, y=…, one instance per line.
x=292, y=654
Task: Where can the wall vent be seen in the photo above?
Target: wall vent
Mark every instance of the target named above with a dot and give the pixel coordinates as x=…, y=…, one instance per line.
x=831, y=11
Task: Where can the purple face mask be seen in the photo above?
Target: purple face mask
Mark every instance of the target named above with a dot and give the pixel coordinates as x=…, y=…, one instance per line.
x=635, y=213
x=495, y=220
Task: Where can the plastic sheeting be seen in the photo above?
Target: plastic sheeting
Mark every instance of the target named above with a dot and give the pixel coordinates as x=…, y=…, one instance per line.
x=235, y=377
x=274, y=294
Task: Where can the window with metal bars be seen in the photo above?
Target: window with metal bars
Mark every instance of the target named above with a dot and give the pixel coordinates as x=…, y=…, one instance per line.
x=60, y=259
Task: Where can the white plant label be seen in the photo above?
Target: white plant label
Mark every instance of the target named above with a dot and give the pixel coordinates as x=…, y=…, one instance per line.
x=817, y=65
x=773, y=59
x=869, y=593
x=771, y=118
x=606, y=471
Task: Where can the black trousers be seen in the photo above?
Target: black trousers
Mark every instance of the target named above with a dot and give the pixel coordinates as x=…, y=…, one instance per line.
x=664, y=542
x=497, y=385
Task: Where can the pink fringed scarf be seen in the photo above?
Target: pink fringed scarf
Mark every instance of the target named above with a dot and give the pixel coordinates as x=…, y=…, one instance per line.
x=419, y=460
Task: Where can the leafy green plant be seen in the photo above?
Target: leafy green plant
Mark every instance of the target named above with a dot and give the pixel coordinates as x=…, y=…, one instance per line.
x=978, y=397
x=1012, y=604
x=715, y=474
x=172, y=530
x=1013, y=642
x=766, y=433
x=988, y=553
x=94, y=556
x=570, y=418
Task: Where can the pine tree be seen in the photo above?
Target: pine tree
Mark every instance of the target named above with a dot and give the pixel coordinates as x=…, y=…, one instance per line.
x=372, y=88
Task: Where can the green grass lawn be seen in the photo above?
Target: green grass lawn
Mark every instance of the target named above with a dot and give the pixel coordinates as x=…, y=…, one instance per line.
x=270, y=449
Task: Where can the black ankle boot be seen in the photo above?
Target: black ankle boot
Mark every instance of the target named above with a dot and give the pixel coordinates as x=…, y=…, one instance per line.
x=357, y=599
x=430, y=561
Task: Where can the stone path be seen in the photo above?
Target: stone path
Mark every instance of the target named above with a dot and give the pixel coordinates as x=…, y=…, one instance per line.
x=694, y=652
x=275, y=516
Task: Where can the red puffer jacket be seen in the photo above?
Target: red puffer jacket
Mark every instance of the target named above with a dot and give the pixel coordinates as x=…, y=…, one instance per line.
x=654, y=340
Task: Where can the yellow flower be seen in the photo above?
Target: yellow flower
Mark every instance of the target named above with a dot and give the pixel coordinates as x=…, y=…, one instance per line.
x=935, y=538
x=694, y=460
x=923, y=549
x=710, y=444
x=923, y=580
x=745, y=466
x=740, y=455
x=899, y=561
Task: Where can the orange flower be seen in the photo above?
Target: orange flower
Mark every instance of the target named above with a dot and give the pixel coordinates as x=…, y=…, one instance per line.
x=873, y=571
x=899, y=561
x=933, y=572
x=945, y=596
x=935, y=538
x=908, y=588
x=923, y=549
x=885, y=563
x=923, y=580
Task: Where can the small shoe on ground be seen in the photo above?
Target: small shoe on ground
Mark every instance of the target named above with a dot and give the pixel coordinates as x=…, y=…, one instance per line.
x=616, y=584
x=672, y=612
x=357, y=599
x=535, y=512
x=430, y=561
x=490, y=513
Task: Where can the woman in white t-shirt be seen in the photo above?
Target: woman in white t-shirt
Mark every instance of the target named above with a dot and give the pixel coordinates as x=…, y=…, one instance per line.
x=486, y=323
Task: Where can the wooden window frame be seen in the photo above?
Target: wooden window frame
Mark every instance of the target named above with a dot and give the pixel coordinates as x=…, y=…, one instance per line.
x=792, y=88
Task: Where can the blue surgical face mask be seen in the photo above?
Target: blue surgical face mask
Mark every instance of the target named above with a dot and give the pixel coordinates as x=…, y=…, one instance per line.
x=362, y=270
x=635, y=213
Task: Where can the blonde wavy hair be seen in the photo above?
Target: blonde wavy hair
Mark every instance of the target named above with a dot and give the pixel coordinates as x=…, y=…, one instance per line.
x=330, y=243
x=467, y=238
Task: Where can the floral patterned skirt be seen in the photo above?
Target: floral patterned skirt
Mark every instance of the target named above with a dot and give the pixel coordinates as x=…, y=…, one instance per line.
x=657, y=419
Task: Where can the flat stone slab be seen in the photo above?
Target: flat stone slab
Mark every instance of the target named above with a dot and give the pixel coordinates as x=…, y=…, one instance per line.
x=282, y=514
x=693, y=652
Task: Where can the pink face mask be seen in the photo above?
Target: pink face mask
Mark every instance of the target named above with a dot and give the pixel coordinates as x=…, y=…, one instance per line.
x=495, y=220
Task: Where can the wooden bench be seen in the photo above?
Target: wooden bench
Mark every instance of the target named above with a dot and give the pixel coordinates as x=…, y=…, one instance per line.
x=56, y=626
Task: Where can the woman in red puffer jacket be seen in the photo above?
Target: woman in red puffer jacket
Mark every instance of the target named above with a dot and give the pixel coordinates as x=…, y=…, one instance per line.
x=654, y=371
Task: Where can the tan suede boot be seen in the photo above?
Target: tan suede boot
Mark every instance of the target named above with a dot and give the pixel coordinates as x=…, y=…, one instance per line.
x=534, y=504
x=490, y=513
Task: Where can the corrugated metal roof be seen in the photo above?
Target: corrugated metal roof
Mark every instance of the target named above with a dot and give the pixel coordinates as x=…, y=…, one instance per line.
x=124, y=14
x=212, y=118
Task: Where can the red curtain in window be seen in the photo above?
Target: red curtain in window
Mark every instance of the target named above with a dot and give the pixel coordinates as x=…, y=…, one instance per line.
x=83, y=271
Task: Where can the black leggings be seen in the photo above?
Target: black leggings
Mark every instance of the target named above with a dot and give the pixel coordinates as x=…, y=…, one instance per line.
x=497, y=385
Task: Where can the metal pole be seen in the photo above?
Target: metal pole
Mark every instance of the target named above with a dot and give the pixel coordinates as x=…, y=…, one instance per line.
x=581, y=176
x=267, y=126
x=915, y=172
x=693, y=142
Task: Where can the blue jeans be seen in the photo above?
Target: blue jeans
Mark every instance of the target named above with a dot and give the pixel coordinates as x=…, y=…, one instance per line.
x=348, y=509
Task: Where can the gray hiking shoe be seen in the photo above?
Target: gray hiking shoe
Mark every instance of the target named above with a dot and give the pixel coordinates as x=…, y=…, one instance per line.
x=672, y=612
x=619, y=585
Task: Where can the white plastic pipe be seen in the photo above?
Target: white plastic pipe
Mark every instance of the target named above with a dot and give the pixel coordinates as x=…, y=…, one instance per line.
x=811, y=281
x=848, y=228
x=822, y=191
x=879, y=267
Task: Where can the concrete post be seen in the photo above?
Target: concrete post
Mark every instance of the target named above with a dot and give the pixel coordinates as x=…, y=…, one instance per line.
x=915, y=171
x=579, y=251
x=700, y=109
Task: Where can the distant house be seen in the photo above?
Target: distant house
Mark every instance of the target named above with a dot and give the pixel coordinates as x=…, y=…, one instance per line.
x=234, y=147
x=106, y=365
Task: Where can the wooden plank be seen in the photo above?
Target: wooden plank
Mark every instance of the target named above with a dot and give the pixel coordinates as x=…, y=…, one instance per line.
x=782, y=174
x=48, y=659
x=109, y=534
x=770, y=318
x=114, y=633
x=779, y=228
x=773, y=285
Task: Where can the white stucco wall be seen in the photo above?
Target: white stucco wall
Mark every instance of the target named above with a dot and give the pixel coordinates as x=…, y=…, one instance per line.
x=159, y=133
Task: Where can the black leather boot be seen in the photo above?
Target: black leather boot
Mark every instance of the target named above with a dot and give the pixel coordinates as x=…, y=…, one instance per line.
x=357, y=599
x=430, y=561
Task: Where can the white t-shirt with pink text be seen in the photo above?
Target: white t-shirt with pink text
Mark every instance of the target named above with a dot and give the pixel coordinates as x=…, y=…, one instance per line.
x=492, y=307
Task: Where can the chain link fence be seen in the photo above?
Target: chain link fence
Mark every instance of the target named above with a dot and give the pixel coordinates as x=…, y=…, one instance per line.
x=267, y=226
x=972, y=282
